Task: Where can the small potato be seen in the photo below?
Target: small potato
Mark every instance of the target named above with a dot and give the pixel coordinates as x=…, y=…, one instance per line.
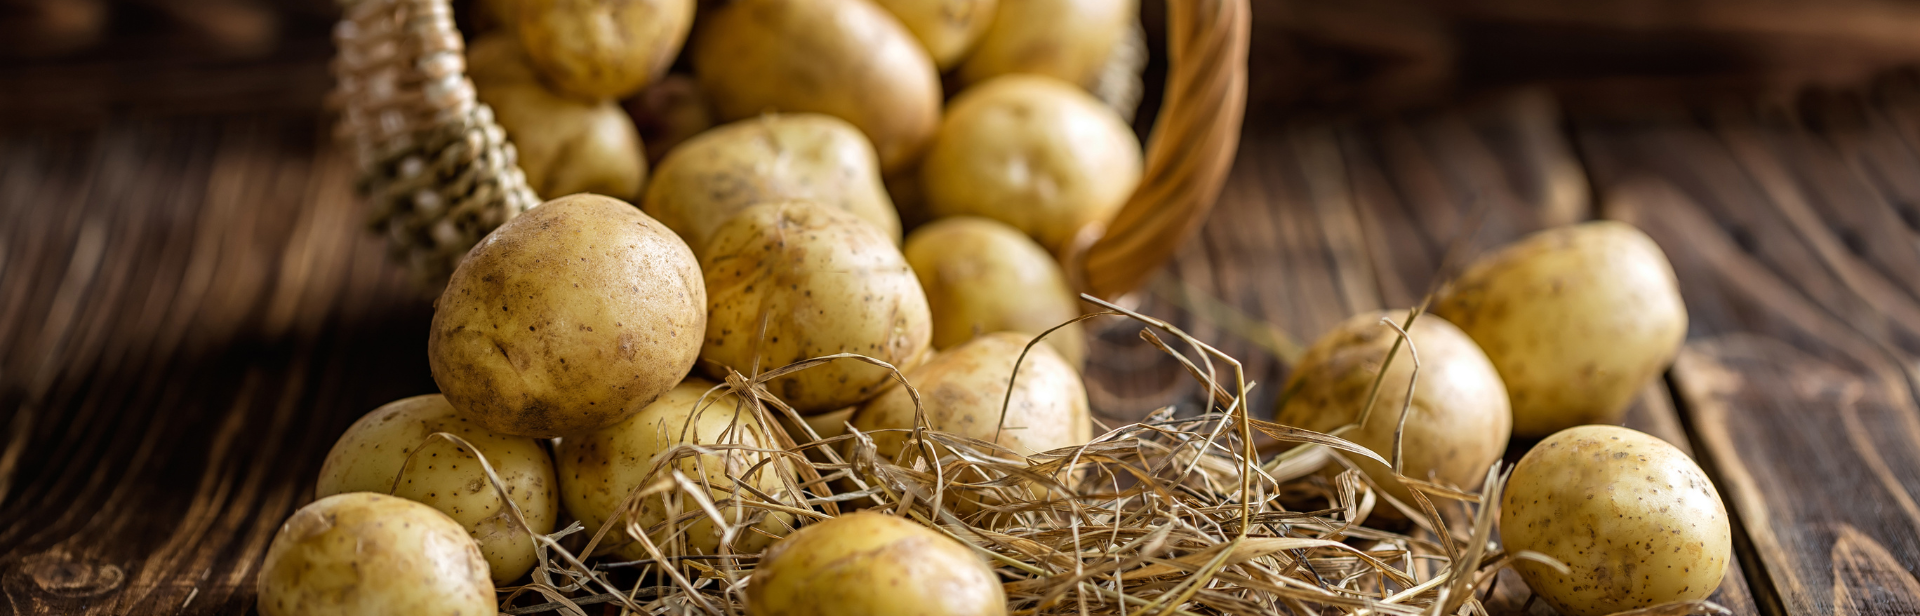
x=872, y=564
x=1635, y=519
x=364, y=554
x=567, y=319
x=599, y=470
x=948, y=28
x=565, y=145
x=775, y=157
x=378, y=454
x=1033, y=152
x=982, y=276
x=1069, y=40
x=1576, y=318
x=962, y=390
x=844, y=58
x=797, y=280
x=1460, y=420
x=603, y=49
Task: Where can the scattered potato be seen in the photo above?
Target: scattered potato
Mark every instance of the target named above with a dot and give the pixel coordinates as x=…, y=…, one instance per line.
x=1033, y=152
x=982, y=276
x=872, y=564
x=599, y=470
x=364, y=554
x=1634, y=517
x=962, y=391
x=797, y=280
x=377, y=454
x=1576, y=318
x=1460, y=419
x=567, y=319
x=775, y=157
x=565, y=145
x=1069, y=40
x=844, y=58
x=603, y=49
x=948, y=28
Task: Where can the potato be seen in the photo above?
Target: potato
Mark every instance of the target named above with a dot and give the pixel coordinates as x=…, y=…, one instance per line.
x=565, y=145
x=872, y=564
x=775, y=157
x=797, y=280
x=844, y=58
x=599, y=470
x=669, y=113
x=948, y=28
x=377, y=454
x=603, y=49
x=982, y=276
x=1033, y=152
x=567, y=319
x=1460, y=419
x=962, y=390
x=1576, y=318
x=1635, y=519
x=1068, y=40
x=364, y=554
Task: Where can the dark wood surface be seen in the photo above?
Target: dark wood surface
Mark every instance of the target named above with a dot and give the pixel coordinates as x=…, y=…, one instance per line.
x=191, y=311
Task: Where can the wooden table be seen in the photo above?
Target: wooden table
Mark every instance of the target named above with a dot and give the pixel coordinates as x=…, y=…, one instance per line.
x=191, y=312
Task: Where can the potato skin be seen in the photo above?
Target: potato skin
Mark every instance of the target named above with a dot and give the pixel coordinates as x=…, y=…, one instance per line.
x=845, y=58
x=982, y=276
x=872, y=564
x=599, y=470
x=948, y=28
x=1634, y=517
x=363, y=554
x=1033, y=152
x=825, y=283
x=603, y=49
x=565, y=145
x=774, y=157
x=1460, y=420
x=567, y=319
x=1576, y=318
x=372, y=453
x=1068, y=40
x=962, y=389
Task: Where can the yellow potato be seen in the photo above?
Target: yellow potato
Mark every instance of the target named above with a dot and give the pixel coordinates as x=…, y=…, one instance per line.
x=775, y=157
x=1576, y=318
x=982, y=276
x=797, y=280
x=567, y=319
x=1064, y=39
x=844, y=58
x=1033, y=152
x=948, y=28
x=1633, y=517
x=872, y=564
x=1460, y=420
x=599, y=470
x=378, y=454
x=364, y=554
x=603, y=49
x=565, y=145
x=962, y=390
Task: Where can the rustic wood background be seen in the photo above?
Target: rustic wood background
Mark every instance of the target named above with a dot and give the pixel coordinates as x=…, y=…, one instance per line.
x=191, y=311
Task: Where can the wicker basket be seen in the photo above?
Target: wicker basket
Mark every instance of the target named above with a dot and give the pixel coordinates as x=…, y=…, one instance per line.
x=441, y=173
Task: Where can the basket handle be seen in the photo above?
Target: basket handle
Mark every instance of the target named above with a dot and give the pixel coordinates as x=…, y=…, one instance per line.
x=1189, y=153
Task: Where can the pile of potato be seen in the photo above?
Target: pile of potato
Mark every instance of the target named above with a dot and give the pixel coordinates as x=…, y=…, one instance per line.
x=580, y=348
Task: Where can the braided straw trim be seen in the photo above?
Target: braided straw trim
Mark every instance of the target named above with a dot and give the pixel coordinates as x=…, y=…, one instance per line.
x=437, y=168
x=1189, y=153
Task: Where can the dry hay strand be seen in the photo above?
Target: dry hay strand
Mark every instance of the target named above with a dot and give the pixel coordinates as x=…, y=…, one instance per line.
x=1173, y=515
